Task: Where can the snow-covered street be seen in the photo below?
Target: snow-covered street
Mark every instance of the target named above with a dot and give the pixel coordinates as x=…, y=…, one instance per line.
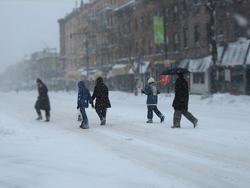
x=127, y=152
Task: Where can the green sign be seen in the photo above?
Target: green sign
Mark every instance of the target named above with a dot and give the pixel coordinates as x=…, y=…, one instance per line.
x=158, y=30
x=53, y=63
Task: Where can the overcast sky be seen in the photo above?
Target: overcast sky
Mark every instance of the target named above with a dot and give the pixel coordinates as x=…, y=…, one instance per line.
x=28, y=26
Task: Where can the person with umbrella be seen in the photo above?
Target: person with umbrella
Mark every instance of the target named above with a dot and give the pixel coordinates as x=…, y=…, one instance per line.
x=180, y=103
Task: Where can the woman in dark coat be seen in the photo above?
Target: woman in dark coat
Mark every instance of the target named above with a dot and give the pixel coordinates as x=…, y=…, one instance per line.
x=180, y=102
x=101, y=94
x=42, y=102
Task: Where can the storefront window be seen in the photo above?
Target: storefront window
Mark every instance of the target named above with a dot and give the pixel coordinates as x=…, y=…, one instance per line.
x=199, y=78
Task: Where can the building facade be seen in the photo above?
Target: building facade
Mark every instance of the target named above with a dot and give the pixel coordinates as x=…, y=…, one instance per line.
x=97, y=36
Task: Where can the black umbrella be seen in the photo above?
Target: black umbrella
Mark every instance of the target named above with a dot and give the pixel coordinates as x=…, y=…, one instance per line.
x=174, y=71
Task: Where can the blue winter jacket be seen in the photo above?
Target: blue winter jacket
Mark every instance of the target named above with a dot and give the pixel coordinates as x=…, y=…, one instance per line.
x=151, y=92
x=84, y=97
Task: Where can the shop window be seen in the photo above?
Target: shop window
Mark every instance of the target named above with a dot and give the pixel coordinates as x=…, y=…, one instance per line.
x=199, y=78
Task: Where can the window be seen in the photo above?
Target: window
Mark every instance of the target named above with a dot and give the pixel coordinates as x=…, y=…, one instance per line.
x=185, y=37
x=149, y=20
x=150, y=47
x=199, y=78
x=142, y=21
x=143, y=47
x=196, y=7
x=197, y=35
x=175, y=12
x=136, y=26
x=136, y=48
x=185, y=7
x=208, y=33
x=176, y=42
x=166, y=14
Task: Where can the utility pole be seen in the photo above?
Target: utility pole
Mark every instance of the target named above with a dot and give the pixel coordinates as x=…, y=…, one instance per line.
x=211, y=6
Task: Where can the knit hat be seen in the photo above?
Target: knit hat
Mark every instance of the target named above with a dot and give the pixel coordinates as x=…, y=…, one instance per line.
x=151, y=80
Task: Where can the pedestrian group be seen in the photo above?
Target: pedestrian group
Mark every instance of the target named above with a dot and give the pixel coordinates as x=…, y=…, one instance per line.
x=102, y=102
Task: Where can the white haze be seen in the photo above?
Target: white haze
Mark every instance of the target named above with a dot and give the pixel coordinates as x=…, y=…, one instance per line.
x=28, y=26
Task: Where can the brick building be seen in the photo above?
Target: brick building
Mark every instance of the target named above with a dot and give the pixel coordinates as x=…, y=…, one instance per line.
x=152, y=33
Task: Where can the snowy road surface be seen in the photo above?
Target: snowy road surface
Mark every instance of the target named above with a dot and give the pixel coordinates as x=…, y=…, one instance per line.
x=127, y=153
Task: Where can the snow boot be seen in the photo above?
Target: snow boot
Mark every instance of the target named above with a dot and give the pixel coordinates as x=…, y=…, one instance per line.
x=175, y=126
x=47, y=119
x=149, y=121
x=39, y=117
x=162, y=118
x=103, y=122
x=195, y=123
x=84, y=125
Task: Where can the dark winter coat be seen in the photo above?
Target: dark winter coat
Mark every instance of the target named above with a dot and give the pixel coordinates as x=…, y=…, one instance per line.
x=101, y=94
x=43, y=98
x=151, y=91
x=84, y=97
x=181, y=94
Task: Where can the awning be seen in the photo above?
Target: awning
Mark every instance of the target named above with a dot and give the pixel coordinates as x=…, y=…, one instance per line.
x=196, y=65
x=141, y=67
x=126, y=5
x=120, y=69
x=235, y=53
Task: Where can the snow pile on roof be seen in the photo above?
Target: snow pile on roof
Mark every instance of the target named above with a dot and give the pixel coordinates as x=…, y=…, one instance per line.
x=125, y=5
x=241, y=20
x=235, y=53
x=119, y=66
x=196, y=65
x=142, y=67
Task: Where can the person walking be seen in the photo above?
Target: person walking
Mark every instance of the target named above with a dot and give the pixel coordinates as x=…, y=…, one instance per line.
x=101, y=94
x=42, y=102
x=83, y=100
x=180, y=102
x=152, y=99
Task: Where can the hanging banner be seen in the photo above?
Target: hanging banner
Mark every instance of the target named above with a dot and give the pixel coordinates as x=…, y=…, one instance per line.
x=158, y=30
x=92, y=60
x=53, y=63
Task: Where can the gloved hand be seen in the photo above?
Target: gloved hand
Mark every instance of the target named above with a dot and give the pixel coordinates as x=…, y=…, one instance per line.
x=78, y=106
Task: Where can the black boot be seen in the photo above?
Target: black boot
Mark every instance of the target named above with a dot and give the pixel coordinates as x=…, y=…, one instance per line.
x=39, y=117
x=47, y=119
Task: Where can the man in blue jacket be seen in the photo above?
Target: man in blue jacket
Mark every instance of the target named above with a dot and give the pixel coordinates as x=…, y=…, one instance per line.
x=152, y=99
x=84, y=98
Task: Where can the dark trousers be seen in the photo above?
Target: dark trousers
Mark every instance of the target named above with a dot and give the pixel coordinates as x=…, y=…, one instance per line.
x=38, y=111
x=85, y=121
x=101, y=113
x=177, y=117
x=154, y=108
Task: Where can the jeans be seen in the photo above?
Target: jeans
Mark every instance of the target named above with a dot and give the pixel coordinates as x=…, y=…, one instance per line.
x=85, y=122
x=154, y=108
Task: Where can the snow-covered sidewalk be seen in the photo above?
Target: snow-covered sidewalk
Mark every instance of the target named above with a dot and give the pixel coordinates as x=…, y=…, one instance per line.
x=127, y=152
